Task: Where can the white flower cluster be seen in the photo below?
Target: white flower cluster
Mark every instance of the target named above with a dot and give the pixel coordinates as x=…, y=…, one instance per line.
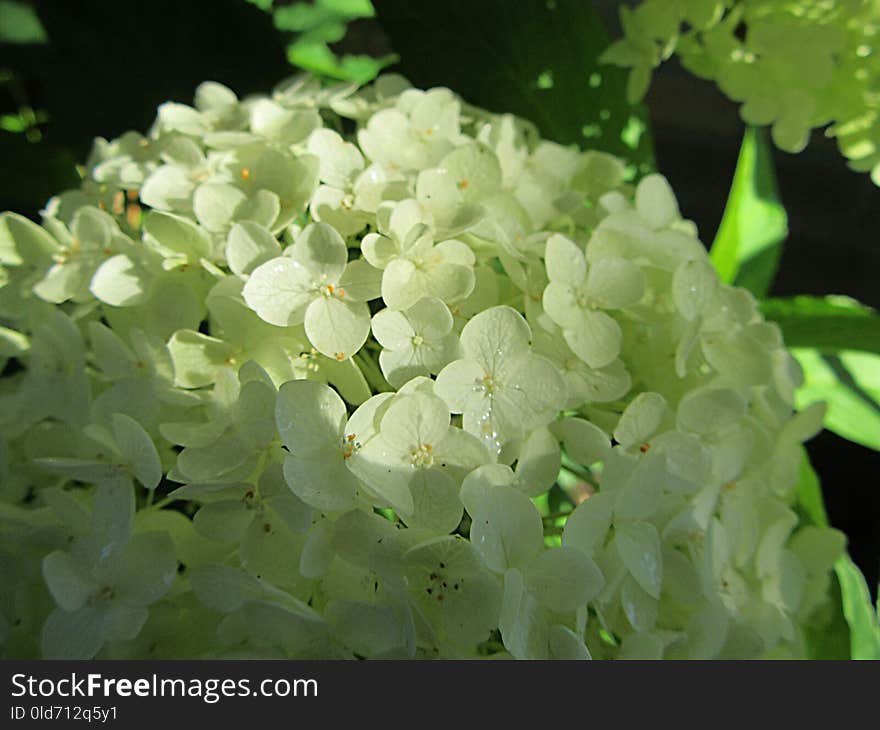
x=371, y=373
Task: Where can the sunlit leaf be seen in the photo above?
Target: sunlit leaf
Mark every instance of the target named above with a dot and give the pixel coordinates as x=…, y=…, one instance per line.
x=749, y=241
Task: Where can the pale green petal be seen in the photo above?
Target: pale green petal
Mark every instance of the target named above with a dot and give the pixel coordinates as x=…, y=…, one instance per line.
x=449, y=282
x=566, y=645
x=459, y=384
x=292, y=179
x=336, y=208
x=279, y=291
x=537, y=465
x=638, y=545
x=248, y=245
x=530, y=390
x=340, y=161
x=360, y=281
x=641, y=418
x=367, y=630
x=321, y=479
x=123, y=622
x=120, y=282
x=196, y=358
x=148, y=568
x=23, y=241
x=505, y=526
x=348, y=379
x=68, y=582
x=430, y=318
x=113, y=507
x=64, y=281
x=378, y=250
x=523, y=623
x=318, y=552
x=224, y=589
x=286, y=126
x=437, y=191
x=587, y=527
x=450, y=585
x=138, y=449
x=656, y=202
x=169, y=187
x=406, y=218
x=402, y=284
x=566, y=265
x=640, y=608
x=614, y=283
x=178, y=234
x=271, y=552
x=310, y=417
x=401, y=366
x=474, y=168
x=415, y=421
x=321, y=251
x=561, y=304
x=640, y=497
x=73, y=635
x=337, y=328
x=596, y=340
x=392, y=329
x=493, y=335
x=436, y=505
x=224, y=521
x=641, y=646
x=455, y=252
x=694, y=287
x=263, y=208
x=564, y=578
x=710, y=409
x=214, y=205
x=584, y=441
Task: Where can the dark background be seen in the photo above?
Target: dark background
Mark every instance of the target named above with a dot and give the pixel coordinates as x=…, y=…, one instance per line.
x=109, y=65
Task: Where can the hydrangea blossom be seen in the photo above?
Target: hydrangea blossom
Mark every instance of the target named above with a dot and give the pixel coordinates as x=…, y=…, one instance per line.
x=312, y=395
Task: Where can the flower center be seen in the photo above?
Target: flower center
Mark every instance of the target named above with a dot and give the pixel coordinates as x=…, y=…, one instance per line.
x=330, y=290
x=422, y=457
x=350, y=445
x=486, y=385
x=311, y=360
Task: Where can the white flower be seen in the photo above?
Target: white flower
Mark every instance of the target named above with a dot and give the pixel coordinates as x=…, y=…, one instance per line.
x=417, y=341
x=502, y=389
x=413, y=265
x=311, y=286
x=576, y=295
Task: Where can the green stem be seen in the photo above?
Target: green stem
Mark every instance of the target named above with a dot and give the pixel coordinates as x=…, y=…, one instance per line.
x=372, y=373
x=557, y=515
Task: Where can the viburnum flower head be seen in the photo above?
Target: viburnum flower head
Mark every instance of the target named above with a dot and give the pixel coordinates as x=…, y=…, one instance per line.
x=433, y=387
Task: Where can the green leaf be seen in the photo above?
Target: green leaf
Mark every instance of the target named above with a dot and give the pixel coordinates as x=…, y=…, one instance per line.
x=825, y=323
x=312, y=54
x=809, y=494
x=314, y=25
x=849, y=382
x=853, y=594
x=860, y=615
x=19, y=23
x=535, y=59
x=748, y=244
